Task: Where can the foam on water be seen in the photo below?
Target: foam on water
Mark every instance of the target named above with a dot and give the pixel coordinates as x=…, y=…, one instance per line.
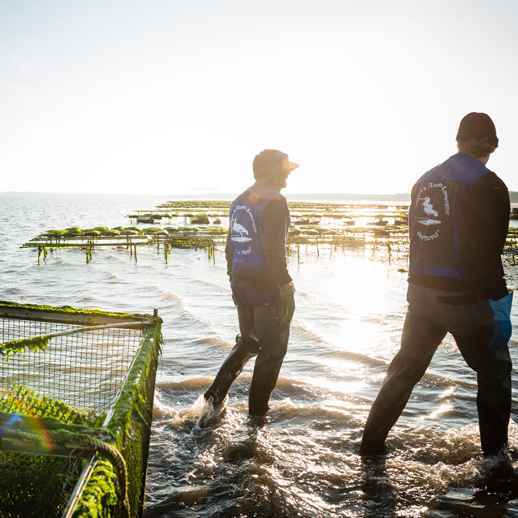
x=200, y=414
x=161, y=409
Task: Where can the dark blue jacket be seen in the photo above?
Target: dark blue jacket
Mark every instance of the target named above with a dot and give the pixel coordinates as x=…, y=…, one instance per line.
x=458, y=222
x=256, y=246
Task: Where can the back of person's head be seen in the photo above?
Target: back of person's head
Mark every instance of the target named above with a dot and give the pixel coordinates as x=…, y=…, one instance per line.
x=477, y=135
x=268, y=164
x=272, y=166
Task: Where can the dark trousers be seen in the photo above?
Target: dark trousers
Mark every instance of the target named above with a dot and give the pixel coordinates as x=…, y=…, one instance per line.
x=265, y=331
x=431, y=314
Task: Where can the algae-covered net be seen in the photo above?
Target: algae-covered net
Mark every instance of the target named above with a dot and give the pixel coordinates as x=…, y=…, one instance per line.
x=76, y=395
x=376, y=230
x=85, y=369
x=32, y=483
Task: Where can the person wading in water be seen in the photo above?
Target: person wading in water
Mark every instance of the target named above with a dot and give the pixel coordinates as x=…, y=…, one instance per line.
x=262, y=288
x=458, y=222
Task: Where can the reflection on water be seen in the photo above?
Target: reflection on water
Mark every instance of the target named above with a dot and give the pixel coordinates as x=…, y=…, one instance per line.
x=304, y=461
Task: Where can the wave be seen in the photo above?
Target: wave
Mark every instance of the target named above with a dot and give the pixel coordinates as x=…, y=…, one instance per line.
x=454, y=446
x=358, y=357
x=429, y=377
x=303, y=331
x=280, y=411
x=200, y=414
x=186, y=325
x=170, y=296
x=187, y=496
x=194, y=348
x=204, y=283
x=210, y=341
x=289, y=386
x=111, y=276
x=286, y=409
x=284, y=384
x=161, y=409
x=188, y=384
x=12, y=291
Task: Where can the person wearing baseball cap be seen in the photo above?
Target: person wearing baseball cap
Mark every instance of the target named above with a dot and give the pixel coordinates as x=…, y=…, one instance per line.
x=458, y=223
x=262, y=288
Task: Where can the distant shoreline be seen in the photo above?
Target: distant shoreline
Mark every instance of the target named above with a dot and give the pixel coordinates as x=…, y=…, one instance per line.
x=331, y=197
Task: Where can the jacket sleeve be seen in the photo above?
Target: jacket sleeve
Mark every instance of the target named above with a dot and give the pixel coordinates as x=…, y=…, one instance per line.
x=501, y=207
x=275, y=230
x=494, y=210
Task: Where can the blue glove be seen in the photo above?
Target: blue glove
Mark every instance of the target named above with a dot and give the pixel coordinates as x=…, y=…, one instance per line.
x=503, y=328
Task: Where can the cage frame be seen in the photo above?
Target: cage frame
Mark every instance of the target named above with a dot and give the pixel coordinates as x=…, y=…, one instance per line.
x=91, y=318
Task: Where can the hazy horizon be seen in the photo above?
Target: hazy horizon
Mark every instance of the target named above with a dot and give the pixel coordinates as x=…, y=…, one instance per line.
x=223, y=195
x=316, y=196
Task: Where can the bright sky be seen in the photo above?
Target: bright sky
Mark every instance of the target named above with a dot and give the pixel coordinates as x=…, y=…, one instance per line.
x=177, y=97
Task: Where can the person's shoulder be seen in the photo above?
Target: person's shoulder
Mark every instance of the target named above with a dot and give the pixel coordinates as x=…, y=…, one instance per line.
x=427, y=177
x=431, y=174
x=281, y=201
x=238, y=199
x=493, y=178
x=492, y=181
x=277, y=205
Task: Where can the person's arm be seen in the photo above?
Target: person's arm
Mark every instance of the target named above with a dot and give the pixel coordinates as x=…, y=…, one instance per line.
x=494, y=210
x=275, y=229
x=501, y=207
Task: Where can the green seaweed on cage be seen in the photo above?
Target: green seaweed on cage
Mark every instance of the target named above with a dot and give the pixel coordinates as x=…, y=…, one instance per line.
x=69, y=310
x=27, y=401
x=131, y=420
x=41, y=485
x=19, y=345
x=34, y=485
x=65, y=440
x=130, y=423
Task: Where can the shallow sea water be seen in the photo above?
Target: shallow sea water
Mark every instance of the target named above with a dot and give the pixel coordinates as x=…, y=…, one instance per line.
x=304, y=461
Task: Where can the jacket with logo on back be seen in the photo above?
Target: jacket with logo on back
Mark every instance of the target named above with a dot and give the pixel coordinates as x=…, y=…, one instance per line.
x=458, y=223
x=256, y=245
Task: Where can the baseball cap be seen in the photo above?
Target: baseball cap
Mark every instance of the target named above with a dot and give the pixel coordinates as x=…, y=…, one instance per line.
x=270, y=160
x=477, y=126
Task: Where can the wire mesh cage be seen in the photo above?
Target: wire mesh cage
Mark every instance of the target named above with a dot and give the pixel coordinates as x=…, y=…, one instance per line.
x=86, y=369
x=75, y=410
